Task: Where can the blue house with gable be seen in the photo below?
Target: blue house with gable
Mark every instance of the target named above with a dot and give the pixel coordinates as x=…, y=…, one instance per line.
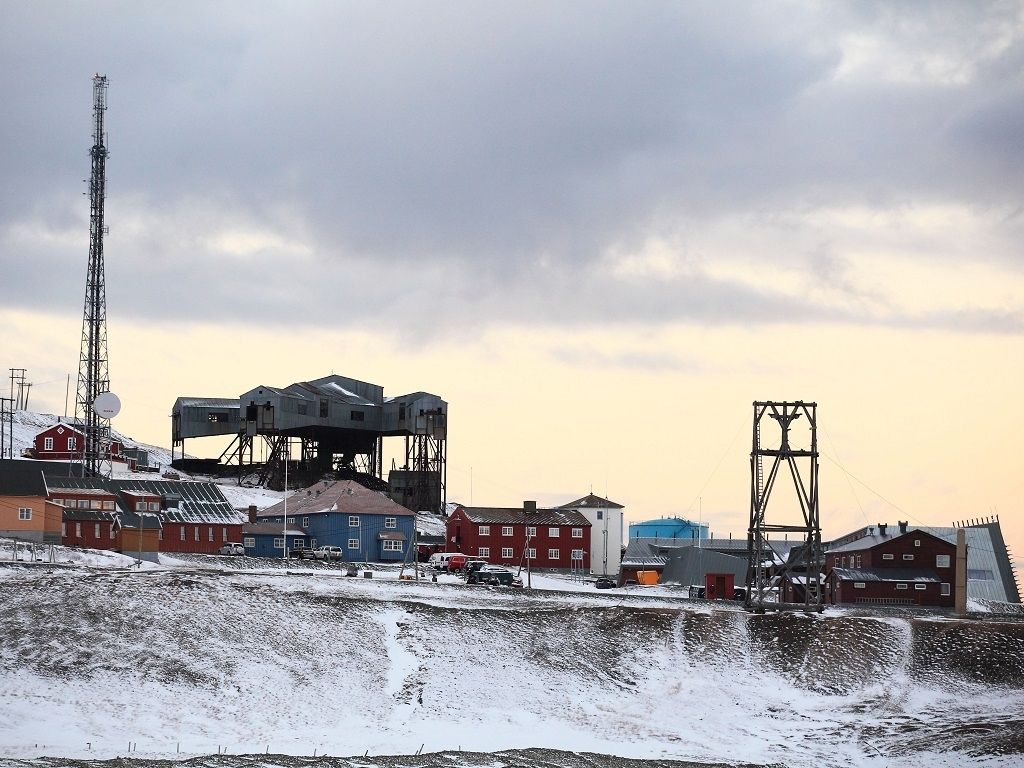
x=366, y=524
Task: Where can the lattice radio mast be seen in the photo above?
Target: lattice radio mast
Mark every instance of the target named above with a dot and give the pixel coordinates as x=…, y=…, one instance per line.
x=93, y=371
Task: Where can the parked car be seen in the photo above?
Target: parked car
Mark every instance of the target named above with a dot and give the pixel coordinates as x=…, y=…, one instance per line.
x=494, y=576
x=456, y=563
x=232, y=548
x=328, y=553
x=605, y=582
x=300, y=553
x=439, y=560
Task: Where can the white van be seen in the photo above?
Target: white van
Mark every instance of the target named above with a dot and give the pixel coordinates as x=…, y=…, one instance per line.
x=439, y=560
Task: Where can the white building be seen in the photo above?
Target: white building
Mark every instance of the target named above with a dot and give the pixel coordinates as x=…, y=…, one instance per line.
x=606, y=532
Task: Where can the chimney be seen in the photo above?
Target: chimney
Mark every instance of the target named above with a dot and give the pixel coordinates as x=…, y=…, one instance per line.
x=529, y=507
x=903, y=526
x=960, y=587
x=881, y=528
x=252, y=513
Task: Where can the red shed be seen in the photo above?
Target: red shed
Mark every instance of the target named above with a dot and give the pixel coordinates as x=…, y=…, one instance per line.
x=63, y=442
x=719, y=586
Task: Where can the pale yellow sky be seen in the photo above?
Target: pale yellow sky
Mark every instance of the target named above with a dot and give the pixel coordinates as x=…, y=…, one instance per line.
x=927, y=422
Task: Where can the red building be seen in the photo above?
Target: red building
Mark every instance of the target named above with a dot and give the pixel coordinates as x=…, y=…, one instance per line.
x=89, y=516
x=549, y=538
x=909, y=567
x=63, y=442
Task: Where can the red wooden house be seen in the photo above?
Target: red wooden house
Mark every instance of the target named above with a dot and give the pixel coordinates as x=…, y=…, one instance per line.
x=911, y=567
x=63, y=442
x=548, y=538
x=89, y=516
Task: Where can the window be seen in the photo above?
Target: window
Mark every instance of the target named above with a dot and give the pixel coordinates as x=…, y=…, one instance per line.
x=483, y=552
x=552, y=554
x=182, y=533
x=278, y=543
x=977, y=574
x=323, y=409
x=531, y=554
x=485, y=530
x=908, y=557
x=160, y=534
x=25, y=513
x=140, y=506
x=223, y=534
x=299, y=543
x=942, y=561
x=390, y=522
x=154, y=506
x=858, y=561
x=353, y=521
x=859, y=585
x=217, y=417
x=83, y=503
x=577, y=533
x=506, y=530
x=59, y=501
x=209, y=534
x=249, y=541
x=506, y=553
x=356, y=415
x=944, y=589
x=901, y=586
x=78, y=530
x=109, y=505
x=531, y=530
x=577, y=554
x=392, y=546
x=353, y=544
x=195, y=533
x=305, y=522
x=95, y=504
x=291, y=520
x=110, y=531
x=47, y=443
x=920, y=586
x=71, y=443
x=600, y=514
x=917, y=542
x=888, y=556
x=96, y=531
x=553, y=533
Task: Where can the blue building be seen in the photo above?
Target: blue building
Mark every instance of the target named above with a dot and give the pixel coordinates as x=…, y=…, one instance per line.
x=366, y=524
x=270, y=540
x=676, y=528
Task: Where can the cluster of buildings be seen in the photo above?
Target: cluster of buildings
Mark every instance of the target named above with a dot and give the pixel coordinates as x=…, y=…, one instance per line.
x=874, y=565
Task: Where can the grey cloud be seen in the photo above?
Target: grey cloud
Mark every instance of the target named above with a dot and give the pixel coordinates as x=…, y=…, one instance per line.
x=477, y=157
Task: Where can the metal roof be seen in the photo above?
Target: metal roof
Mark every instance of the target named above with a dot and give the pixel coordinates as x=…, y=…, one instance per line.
x=592, y=502
x=270, y=529
x=518, y=516
x=207, y=402
x=391, y=536
x=73, y=514
x=21, y=477
x=887, y=574
x=346, y=497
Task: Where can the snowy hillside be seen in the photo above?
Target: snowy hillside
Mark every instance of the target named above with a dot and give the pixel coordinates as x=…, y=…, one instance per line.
x=303, y=661
x=28, y=424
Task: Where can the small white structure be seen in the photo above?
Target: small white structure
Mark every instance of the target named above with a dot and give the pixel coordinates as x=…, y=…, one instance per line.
x=606, y=532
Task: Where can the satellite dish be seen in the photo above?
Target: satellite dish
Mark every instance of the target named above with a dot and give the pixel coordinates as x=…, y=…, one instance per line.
x=106, y=405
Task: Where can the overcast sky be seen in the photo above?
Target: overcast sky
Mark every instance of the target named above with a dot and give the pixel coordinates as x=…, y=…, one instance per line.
x=619, y=186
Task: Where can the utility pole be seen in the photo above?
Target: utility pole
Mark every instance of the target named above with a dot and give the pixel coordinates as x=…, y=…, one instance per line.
x=93, y=371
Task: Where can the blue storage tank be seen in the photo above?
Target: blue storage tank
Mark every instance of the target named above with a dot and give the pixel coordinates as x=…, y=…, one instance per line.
x=668, y=528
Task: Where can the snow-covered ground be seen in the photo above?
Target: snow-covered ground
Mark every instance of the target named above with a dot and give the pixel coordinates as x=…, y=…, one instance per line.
x=201, y=654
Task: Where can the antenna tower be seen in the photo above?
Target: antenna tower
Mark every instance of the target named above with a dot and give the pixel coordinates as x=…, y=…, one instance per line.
x=93, y=373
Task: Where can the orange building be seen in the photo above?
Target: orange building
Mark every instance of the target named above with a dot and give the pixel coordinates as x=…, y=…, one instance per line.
x=25, y=512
